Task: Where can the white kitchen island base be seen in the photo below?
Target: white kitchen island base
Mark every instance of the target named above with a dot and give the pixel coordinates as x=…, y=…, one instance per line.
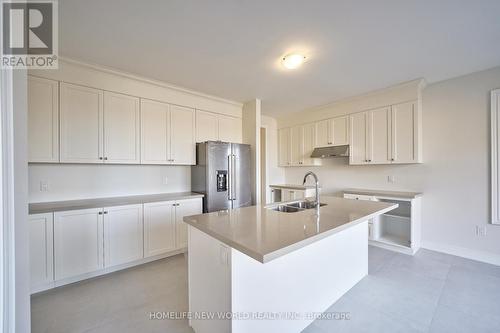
x=232, y=292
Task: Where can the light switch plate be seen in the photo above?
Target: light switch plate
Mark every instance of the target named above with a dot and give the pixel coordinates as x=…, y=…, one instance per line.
x=391, y=179
x=165, y=180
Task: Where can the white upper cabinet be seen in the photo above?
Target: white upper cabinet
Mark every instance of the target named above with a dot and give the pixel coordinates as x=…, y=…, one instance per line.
x=379, y=143
x=296, y=145
x=230, y=129
x=207, y=126
x=155, y=132
x=323, y=133
x=168, y=133
x=405, y=133
x=121, y=129
x=308, y=144
x=81, y=120
x=78, y=242
x=388, y=135
x=339, y=131
x=43, y=120
x=182, y=135
x=217, y=127
x=359, y=137
x=123, y=231
x=284, y=147
x=332, y=132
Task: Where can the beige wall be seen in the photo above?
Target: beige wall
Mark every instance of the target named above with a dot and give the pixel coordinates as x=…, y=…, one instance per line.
x=455, y=175
x=274, y=174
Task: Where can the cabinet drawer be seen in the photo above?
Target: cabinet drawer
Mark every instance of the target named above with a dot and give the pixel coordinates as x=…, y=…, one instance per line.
x=358, y=197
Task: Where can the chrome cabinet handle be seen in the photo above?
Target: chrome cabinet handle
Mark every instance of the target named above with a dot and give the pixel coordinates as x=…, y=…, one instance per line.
x=229, y=177
x=233, y=177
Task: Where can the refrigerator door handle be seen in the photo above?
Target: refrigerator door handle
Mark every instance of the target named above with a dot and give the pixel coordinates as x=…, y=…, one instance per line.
x=233, y=177
x=229, y=177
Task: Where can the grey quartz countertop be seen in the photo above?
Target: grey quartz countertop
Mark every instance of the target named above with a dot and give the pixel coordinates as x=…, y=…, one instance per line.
x=57, y=206
x=292, y=186
x=382, y=193
x=265, y=234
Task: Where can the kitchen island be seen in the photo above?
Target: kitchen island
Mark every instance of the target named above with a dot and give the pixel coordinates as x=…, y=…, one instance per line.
x=256, y=269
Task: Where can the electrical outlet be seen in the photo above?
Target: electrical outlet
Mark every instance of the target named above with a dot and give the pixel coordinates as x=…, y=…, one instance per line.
x=165, y=180
x=391, y=179
x=480, y=231
x=44, y=186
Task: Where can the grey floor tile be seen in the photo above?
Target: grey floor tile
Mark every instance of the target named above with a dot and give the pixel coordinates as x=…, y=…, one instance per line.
x=473, y=293
x=363, y=317
x=476, y=266
x=425, y=265
x=377, y=258
x=427, y=292
x=449, y=320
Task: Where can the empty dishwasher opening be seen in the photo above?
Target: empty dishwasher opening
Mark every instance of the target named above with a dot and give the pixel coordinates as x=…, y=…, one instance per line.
x=394, y=227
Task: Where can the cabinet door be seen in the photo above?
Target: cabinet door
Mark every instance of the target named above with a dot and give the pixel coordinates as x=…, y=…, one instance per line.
x=121, y=129
x=182, y=128
x=155, y=132
x=43, y=120
x=296, y=145
x=284, y=147
x=159, y=228
x=309, y=142
x=404, y=133
x=81, y=118
x=323, y=133
x=359, y=136
x=78, y=242
x=185, y=208
x=230, y=129
x=122, y=234
x=207, y=126
x=41, y=249
x=379, y=143
x=339, y=131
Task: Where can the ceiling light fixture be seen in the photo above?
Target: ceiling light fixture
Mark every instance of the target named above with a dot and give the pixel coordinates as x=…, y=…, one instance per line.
x=293, y=61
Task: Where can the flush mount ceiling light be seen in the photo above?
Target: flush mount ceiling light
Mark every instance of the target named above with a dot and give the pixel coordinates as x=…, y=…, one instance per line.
x=293, y=60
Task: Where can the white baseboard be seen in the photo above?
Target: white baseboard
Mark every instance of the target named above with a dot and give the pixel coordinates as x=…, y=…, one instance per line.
x=483, y=256
x=58, y=283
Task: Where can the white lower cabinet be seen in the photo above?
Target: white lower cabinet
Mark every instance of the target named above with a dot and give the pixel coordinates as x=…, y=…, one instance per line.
x=185, y=208
x=164, y=228
x=78, y=242
x=41, y=228
x=159, y=228
x=123, y=229
x=69, y=246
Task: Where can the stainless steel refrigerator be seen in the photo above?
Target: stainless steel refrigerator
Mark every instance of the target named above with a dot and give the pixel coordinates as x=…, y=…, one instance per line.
x=222, y=174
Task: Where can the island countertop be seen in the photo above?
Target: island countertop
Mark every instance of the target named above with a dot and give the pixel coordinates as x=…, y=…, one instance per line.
x=265, y=234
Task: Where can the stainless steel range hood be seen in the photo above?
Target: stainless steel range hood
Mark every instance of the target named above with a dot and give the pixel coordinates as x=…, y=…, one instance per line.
x=335, y=151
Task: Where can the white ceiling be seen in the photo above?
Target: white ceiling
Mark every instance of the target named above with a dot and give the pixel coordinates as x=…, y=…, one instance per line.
x=231, y=48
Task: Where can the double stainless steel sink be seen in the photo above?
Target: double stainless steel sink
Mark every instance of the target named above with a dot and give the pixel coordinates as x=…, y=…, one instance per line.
x=295, y=206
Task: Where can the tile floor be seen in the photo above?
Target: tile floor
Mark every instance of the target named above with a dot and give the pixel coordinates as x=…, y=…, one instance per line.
x=430, y=292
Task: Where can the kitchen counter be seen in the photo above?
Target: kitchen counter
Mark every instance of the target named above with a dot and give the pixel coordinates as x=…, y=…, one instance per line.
x=255, y=261
x=56, y=206
x=382, y=193
x=265, y=234
x=293, y=186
